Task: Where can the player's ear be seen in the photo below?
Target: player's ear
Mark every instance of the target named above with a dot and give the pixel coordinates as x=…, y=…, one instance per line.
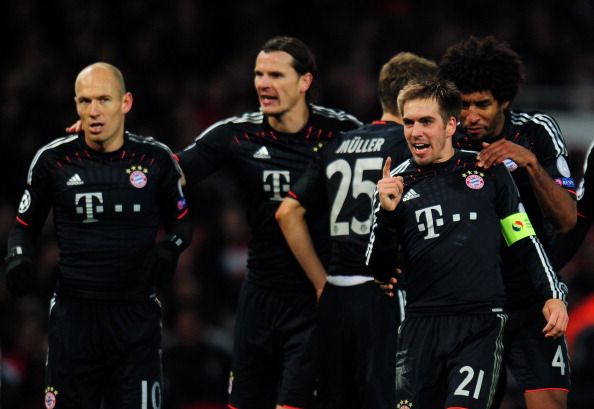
x=451, y=126
x=305, y=82
x=127, y=102
x=505, y=105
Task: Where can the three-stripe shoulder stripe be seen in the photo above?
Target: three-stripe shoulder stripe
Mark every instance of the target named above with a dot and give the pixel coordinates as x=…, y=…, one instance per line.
x=334, y=113
x=152, y=141
x=401, y=168
x=248, y=117
x=548, y=123
x=53, y=144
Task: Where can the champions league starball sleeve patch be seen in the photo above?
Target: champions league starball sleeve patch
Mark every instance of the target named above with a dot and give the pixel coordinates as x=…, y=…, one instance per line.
x=515, y=227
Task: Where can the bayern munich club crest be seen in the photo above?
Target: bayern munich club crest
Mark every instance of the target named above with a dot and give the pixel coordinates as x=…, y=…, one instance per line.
x=404, y=404
x=138, y=176
x=50, y=397
x=474, y=179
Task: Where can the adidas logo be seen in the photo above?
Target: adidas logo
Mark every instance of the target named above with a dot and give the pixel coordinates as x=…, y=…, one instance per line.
x=411, y=194
x=262, y=153
x=75, y=181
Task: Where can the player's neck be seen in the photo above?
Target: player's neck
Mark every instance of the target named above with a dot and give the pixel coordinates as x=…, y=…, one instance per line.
x=108, y=145
x=291, y=121
x=387, y=116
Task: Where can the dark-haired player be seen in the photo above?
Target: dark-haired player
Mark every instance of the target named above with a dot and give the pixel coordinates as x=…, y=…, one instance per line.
x=440, y=215
x=267, y=151
x=531, y=146
x=356, y=323
x=109, y=191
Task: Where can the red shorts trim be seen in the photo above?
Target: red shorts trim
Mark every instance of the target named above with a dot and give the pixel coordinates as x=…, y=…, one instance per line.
x=546, y=389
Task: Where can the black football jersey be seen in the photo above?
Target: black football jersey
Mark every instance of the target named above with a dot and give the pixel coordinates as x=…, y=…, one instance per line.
x=344, y=175
x=565, y=246
x=447, y=231
x=107, y=208
x=541, y=134
x=266, y=163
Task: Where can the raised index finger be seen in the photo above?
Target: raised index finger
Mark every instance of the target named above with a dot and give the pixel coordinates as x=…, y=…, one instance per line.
x=387, y=167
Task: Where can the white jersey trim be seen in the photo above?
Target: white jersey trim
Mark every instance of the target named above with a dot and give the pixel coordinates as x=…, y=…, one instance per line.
x=152, y=141
x=53, y=144
x=548, y=123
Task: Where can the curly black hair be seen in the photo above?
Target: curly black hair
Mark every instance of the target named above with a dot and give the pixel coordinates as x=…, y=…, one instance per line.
x=486, y=64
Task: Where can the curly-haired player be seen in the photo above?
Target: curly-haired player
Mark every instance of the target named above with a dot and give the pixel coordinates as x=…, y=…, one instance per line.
x=488, y=73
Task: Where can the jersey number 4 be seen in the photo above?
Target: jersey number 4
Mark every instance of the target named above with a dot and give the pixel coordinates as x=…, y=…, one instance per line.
x=351, y=180
x=558, y=360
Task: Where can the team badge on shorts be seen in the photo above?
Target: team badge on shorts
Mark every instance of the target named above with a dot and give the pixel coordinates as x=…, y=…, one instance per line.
x=138, y=176
x=50, y=398
x=474, y=179
x=404, y=404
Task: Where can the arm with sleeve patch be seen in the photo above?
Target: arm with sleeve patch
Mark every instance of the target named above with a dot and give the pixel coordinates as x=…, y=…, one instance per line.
x=521, y=237
x=32, y=212
x=175, y=217
x=565, y=246
x=550, y=178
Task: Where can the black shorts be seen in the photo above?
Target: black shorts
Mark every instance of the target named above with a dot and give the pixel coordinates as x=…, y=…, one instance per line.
x=449, y=360
x=535, y=362
x=273, y=350
x=99, y=351
x=357, y=328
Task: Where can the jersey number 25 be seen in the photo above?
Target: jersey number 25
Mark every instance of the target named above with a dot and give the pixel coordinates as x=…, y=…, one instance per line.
x=352, y=180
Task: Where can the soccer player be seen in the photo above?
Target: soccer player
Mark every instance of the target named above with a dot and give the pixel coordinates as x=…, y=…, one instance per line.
x=267, y=151
x=356, y=323
x=441, y=215
x=531, y=146
x=566, y=245
x=109, y=191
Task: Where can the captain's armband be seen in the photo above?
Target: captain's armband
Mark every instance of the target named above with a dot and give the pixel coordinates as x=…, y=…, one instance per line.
x=515, y=227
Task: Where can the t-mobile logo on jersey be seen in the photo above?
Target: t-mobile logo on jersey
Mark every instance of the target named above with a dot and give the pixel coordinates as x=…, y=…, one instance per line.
x=431, y=222
x=277, y=187
x=84, y=205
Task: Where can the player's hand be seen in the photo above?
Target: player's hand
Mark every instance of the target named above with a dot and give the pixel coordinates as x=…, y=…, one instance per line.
x=388, y=287
x=162, y=263
x=389, y=188
x=555, y=312
x=20, y=275
x=75, y=127
x=496, y=152
x=319, y=292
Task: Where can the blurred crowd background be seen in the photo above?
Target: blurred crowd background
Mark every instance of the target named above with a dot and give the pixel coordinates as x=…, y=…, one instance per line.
x=189, y=63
